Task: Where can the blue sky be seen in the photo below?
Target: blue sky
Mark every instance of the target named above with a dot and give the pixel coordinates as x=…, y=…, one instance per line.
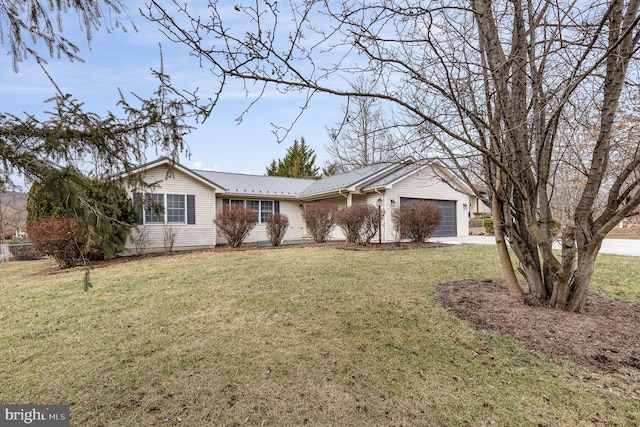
x=124, y=60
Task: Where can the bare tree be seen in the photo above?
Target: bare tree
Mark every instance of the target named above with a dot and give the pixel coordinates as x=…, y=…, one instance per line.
x=364, y=137
x=478, y=82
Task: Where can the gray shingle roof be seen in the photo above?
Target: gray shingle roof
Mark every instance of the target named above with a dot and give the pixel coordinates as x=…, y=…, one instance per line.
x=256, y=185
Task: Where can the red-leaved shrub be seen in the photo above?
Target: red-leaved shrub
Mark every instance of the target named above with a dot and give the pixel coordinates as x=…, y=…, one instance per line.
x=320, y=220
x=61, y=238
x=276, y=228
x=359, y=223
x=235, y=222
x=416, y=220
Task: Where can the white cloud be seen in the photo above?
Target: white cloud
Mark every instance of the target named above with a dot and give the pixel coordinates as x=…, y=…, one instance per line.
x=200, y=165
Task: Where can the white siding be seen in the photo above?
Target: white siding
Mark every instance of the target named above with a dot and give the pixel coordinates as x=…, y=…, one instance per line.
x=340, y=202
x=202, y=234
x=293, y=211
x=372, y=199
x=425, y=184
x=291, y=208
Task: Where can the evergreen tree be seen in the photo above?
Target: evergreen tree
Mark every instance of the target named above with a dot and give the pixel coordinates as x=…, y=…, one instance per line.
x=299, y=162
x=102, y=209
x=67, y=134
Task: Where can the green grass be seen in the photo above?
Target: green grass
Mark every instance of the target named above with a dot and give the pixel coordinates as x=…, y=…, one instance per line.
x=618, y=277
x=292, y=336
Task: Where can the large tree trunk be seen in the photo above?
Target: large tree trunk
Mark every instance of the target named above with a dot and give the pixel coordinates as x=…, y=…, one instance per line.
x=503, y=252
x=581, y=282
x=587, y=253
x=561, y=283
x=529, y=221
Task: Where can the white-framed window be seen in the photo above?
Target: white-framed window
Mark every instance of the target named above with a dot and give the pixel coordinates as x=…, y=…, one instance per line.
x=160, y=208
x=154, y=209
x=264, y=208
x=176, y=209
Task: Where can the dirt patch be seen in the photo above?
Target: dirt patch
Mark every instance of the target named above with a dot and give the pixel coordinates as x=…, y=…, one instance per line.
x=604, y=338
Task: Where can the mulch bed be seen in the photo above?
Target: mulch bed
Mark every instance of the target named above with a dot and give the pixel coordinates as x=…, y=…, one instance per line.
x=605, y=338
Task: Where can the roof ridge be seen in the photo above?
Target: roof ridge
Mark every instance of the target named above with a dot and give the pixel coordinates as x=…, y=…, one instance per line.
x=252, y=175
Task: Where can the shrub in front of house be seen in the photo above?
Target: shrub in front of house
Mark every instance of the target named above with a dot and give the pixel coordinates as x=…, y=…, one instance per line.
x=141, y=239
x=416, y=220
x=61, y=238
x=488, y=225
x=276, y=228
x=320, y=220
x=359, y=223
x=235, y=222
x=22, y=250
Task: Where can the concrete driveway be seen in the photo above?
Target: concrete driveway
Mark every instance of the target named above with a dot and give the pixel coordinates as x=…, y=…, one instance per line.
x=629, y=247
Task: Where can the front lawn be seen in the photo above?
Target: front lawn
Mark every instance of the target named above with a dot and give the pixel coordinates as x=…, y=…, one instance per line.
x=288, y=337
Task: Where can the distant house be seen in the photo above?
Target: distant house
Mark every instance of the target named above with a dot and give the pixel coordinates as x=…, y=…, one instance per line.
x=477, y=206
x=191, y=199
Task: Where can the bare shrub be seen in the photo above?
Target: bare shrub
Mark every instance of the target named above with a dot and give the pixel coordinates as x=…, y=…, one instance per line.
x=320, y=220
x=141, y=239
x=276, y=228
x=61, y=238
x=169, y=237
x=359, y=223
x=235, y=222
x=416, y=220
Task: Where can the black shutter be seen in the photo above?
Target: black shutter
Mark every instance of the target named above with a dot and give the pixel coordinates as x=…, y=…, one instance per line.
x=137, y=204
x=225, y=202
x=191, y=209
x=276, y=206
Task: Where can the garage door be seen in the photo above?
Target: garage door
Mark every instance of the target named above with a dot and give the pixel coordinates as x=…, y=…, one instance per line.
x=448, y=227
